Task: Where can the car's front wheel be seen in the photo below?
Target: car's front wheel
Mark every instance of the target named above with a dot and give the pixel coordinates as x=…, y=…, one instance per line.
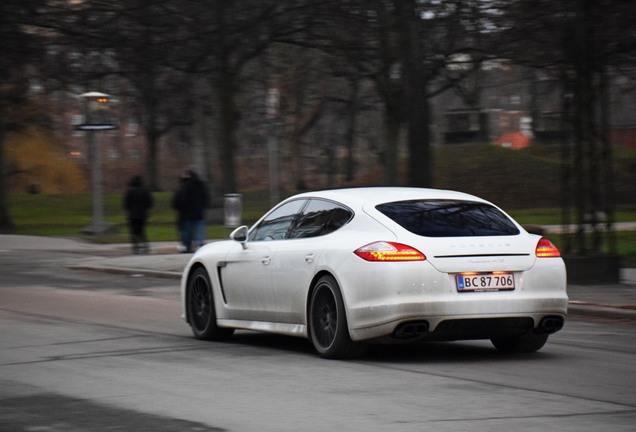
x=328, y=331
x=526, y=343
x=200, y=307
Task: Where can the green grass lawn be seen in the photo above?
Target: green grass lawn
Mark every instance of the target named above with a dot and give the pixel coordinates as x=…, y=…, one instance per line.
x=68, y=215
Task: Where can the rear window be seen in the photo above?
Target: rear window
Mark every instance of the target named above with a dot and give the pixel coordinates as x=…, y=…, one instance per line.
x=449, y=218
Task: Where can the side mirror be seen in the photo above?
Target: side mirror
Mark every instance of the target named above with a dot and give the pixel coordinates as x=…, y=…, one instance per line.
x=240, y=235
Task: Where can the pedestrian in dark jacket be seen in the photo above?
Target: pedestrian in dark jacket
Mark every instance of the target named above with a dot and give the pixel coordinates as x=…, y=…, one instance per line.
x=137, y=202
x=190, y=201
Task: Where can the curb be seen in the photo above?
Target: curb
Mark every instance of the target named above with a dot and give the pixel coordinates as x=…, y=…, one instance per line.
x=126, y=271
x=600, y=311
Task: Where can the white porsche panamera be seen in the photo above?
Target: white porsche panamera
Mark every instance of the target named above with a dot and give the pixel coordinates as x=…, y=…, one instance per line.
x=347, y=267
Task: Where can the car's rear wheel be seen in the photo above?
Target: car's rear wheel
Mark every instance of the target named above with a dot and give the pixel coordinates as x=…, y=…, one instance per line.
x=328, y=331
x=201, y=313
x=526, y=343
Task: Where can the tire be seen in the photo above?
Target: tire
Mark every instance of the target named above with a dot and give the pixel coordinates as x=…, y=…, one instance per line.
x=200, y=307
x=526, y=343
x=327, y=321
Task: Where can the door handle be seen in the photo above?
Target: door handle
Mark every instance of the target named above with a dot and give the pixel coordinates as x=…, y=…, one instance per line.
x=309, y=258
x=266, y=260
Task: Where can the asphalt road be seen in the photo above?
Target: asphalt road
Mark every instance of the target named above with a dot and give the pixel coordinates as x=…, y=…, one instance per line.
x=85, y=351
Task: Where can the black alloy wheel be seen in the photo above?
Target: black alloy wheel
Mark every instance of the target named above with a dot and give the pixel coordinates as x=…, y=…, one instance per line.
x=200, y=308
x=328, y=331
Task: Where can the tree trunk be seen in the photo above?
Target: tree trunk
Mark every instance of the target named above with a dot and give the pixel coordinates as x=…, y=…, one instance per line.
x=419, y=168
x=390, y=156
x=419, y=173
x=152, y=136
x=592, y=165
x=228, y=118
x=351, y=132
x=6, y=224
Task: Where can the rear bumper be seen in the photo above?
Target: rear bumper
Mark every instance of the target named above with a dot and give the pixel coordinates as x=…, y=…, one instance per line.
x=462, y=327
x=384, y=303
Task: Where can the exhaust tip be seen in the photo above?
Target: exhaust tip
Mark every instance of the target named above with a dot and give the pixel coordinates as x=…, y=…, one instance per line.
x=550, y=324
x=411, y=330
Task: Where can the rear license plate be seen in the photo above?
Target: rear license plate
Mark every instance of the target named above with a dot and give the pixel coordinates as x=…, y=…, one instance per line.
x=499, y=281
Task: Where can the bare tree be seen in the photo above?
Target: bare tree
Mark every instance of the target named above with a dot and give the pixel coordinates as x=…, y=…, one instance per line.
x=140, y=42
x=404, y=47
x=583, y=44
x=225, y=37
x=20, y=56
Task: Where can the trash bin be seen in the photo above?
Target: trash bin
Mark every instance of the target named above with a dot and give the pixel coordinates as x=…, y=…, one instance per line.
x=232, y=210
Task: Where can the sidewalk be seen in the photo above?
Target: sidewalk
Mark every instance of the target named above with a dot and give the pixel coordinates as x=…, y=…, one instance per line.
x=602, y=301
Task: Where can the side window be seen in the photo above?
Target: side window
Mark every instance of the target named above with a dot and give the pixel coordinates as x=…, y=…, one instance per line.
x=275, y=226
x=320, y=217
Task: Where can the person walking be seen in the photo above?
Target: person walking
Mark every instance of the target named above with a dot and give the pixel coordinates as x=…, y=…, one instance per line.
x=190, y=202
x=137, y=203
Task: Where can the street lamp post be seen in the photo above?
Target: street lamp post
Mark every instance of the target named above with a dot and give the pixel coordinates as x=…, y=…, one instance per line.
x=97, y=117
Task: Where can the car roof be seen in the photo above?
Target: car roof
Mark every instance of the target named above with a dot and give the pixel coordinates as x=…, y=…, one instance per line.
x=359, y=197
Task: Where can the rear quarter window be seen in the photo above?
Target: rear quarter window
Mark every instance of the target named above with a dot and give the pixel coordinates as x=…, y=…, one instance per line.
x=449, y=218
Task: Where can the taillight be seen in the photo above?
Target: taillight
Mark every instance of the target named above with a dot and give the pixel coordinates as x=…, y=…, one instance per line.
x=545, y=249
x=389, y=251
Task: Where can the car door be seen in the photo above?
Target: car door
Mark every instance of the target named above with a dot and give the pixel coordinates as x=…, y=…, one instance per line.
x=245, y=275
x=294, y=262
